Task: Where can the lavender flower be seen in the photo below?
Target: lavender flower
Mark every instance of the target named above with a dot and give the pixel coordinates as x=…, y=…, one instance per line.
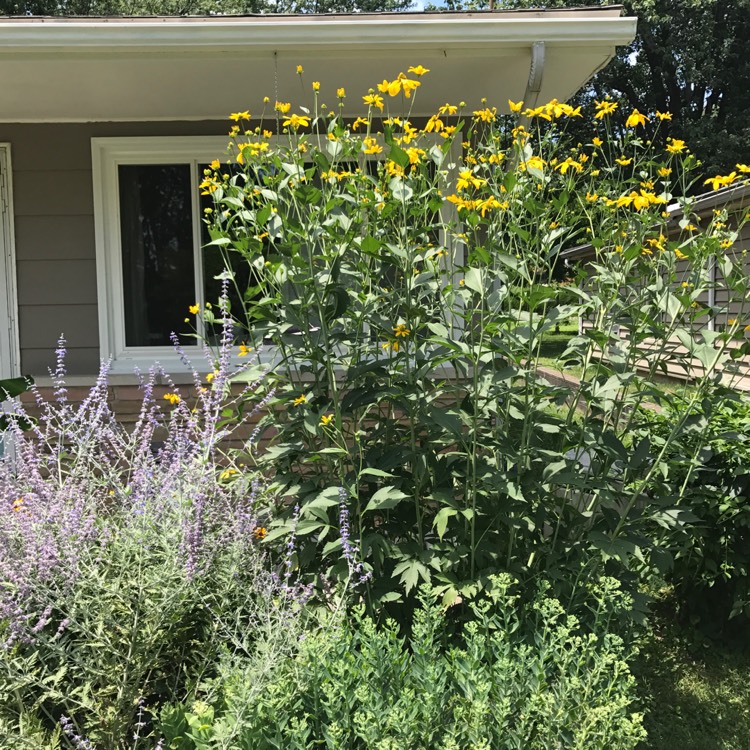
x=357, y=573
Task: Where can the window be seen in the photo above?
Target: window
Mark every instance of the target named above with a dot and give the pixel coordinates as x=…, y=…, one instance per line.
x=152, y=263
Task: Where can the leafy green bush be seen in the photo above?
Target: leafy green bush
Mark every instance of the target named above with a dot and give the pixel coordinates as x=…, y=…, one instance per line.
x=524, y=677
x=406, y=278
x=707, y=472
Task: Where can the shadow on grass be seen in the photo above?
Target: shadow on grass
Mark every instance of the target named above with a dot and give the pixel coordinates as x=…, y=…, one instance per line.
x=696, y=692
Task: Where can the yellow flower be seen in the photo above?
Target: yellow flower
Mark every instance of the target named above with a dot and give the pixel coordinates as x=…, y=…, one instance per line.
x=244, y=350
x=228, y=473
x=215, y=164
x=316, y=86
x=296, y=121
x=434, y=125
x=538, y=112
x=721, y=181
x=211, y=376
x=569, y=163
x=418, y=70
x=173, y=398
x=533, y=162
x=743, y=168
x=725, y=244
x=193, y=309
x=635, y=118
x=371, y=146
x=592, y=197
x=373, y=100
x=408, y=85
x=394, y=346
x=237, y=116
x=622, y=161
x=731, y=321
x=300, y=400
x=401, y=330
x=341, y=93
x=664, y=171
x=489, y=204
x=17, y=504
x=466, y=178
x=597, y=141
x=415, y=154
x=515, y=107
x=300, y=70
x=604, y=108
x=680, y=255
x=260, y=533
x=207, y=187
x=676, y=146
x=326, y=419
x=663, y=115
x=486, y=114
x=658, y=244
x=266, y=100
x=448, y=109
x=282, y=107
x=392, y=88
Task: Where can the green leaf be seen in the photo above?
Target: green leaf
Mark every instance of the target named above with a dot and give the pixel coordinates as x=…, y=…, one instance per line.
x=440, y=523
x=13, y=387
x=385, y=498
x=375, y=473
x=369, y=245
x=399, y=156
x=474, y=280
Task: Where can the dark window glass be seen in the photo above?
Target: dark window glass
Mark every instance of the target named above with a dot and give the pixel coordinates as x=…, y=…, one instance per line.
x=156, y=227
x=217, y=259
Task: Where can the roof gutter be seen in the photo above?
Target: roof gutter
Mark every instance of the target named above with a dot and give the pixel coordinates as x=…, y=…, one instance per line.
x=472, y=31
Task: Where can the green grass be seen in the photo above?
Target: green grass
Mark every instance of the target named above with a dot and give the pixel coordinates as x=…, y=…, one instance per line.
x=696, y=691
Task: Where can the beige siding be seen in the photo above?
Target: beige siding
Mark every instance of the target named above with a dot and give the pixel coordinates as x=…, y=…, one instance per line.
x=54, y=221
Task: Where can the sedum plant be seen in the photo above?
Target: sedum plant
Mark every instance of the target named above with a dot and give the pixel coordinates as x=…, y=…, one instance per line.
x=522, y=677
x=405, y=274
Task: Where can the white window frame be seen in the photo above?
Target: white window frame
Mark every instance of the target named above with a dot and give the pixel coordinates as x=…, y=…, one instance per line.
x=10, y=356
x=108, y=154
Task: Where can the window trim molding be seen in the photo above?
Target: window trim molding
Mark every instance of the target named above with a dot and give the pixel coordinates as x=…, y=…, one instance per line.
x=107, y=155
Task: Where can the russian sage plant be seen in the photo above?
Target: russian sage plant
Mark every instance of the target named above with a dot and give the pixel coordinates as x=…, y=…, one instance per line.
x=129, y=560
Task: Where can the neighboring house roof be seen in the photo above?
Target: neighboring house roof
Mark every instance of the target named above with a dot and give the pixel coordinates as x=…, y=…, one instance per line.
x=732, y=198
x=198, y=68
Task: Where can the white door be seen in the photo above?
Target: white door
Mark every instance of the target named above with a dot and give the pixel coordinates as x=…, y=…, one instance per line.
x=9, y=352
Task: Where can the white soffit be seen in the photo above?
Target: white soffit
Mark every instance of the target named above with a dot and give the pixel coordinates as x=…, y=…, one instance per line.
x=79, y=70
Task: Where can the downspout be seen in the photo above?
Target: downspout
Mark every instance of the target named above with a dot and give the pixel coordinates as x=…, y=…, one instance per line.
x=534, y=84
x=533, y=89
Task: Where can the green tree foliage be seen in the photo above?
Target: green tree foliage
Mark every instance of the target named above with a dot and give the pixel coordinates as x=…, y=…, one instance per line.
x=191, y=7
x=689, y=58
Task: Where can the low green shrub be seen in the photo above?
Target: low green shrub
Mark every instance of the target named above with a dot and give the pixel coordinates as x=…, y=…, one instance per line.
x=523, y=676
x=706, y=472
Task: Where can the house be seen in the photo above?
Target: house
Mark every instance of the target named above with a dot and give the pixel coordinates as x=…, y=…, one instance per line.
x=723, y=307
x=102, y=119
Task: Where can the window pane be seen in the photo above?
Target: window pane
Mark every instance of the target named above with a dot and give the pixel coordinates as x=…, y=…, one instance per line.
x=217, y=260
x=156, y=227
